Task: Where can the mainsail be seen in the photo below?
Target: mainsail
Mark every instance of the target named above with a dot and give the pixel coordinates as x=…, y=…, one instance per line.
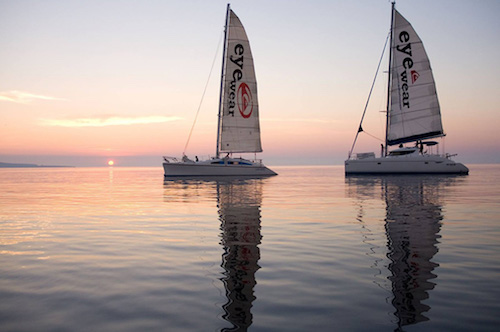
x=414, y=112
x=239, y=124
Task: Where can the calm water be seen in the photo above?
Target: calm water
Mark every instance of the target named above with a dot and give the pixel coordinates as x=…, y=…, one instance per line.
x=118, y=249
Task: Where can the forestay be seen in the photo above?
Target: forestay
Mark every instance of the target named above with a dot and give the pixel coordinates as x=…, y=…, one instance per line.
x=240, y=130
x=414, y=112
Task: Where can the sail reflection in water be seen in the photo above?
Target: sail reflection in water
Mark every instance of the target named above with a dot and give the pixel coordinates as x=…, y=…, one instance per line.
x=412, y=225
x=239, y=210
x=238, y=201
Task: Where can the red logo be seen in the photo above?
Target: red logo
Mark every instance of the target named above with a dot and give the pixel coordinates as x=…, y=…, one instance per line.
x=414, y=76
x=244, y=100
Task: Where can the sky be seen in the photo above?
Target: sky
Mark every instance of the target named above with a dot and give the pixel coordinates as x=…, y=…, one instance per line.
x=84, y=82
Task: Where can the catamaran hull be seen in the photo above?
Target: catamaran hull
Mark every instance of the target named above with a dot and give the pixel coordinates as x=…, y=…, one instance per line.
x=405, y=165
x=189, y=169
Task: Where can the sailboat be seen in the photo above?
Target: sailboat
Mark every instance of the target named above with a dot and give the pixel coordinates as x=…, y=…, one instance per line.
x=413, y=113
x=238, y=128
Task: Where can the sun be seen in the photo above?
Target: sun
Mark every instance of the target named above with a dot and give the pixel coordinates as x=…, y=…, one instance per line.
x=111, y=163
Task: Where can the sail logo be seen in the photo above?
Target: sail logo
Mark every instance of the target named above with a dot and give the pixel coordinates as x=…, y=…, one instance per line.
x=237, y=75
x=244, y=100
x=414, y=76
x=407, y=63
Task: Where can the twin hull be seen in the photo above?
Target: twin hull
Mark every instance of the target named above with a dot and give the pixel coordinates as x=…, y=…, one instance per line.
x=405, y=165
x=199, y=169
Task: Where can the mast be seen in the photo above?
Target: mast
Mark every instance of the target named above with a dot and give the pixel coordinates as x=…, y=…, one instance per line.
x=389, y=81
x=219, y=117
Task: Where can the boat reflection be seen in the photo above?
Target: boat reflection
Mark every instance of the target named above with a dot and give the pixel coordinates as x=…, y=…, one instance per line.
x=239, y=202
x=412, y=225
x=239, y=212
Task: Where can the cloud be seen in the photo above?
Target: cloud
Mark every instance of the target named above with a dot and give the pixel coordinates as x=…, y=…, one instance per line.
x=110, y=121
x=23, y=97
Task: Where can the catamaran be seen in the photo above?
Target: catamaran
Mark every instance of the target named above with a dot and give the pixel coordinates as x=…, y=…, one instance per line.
x=238, y=128
x=413, y=113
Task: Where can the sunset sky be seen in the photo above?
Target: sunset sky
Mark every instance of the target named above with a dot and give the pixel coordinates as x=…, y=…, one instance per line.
x=83, y=82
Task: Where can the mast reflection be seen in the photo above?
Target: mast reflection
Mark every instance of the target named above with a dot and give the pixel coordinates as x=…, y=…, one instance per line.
x=239, y=204
x=412, y=225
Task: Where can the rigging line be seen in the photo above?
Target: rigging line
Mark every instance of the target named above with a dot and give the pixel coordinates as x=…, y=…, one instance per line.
x=373, y=136
x=202, y=96
x=369, y=95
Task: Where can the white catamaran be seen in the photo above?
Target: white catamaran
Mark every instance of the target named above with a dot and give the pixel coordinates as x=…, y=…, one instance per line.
x=413, y=113
x=238, y=120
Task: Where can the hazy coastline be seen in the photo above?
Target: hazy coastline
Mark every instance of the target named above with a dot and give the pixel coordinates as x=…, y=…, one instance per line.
x=21, y=165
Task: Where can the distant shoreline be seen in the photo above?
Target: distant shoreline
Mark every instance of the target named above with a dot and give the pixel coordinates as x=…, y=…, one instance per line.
x=18, y=165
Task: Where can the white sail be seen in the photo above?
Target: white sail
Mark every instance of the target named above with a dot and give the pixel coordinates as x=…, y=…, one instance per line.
x=414, y=112
x=240, y=130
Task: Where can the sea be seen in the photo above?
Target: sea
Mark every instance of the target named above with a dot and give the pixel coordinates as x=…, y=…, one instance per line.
x=121, y=249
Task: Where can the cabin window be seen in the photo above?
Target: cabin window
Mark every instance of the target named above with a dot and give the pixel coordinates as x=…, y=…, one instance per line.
x=400, y=153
